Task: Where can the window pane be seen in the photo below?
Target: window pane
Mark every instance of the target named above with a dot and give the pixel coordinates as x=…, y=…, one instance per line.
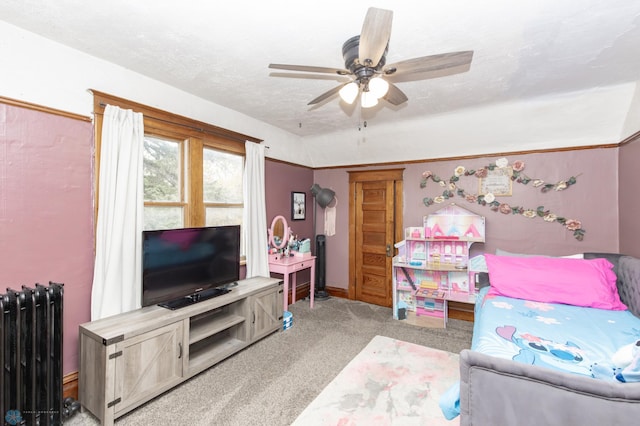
x=220, y=216
x=223, y=216
x=222, y=173
x=161, y=170
x=163, y=217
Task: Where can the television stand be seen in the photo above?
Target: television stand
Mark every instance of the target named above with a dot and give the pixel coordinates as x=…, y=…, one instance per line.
x=194, y=298
x=130, y=358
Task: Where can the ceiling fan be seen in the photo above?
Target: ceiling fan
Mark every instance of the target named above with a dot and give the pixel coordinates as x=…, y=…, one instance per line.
x=365, y=63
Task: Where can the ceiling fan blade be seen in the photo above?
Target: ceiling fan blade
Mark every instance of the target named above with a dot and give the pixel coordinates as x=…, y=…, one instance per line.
x=374, y=37
x=305, y=76
x=306, y=68
x=460, y=61
x=327, y=94
x=395, y=96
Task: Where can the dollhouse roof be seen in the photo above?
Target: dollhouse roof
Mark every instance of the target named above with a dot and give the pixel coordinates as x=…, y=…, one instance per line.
x=453, y=210
x=436, y=230
x=473, y=231
x=453, y=218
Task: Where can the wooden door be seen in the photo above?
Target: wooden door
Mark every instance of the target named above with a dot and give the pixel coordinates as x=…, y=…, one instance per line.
x=376, y=215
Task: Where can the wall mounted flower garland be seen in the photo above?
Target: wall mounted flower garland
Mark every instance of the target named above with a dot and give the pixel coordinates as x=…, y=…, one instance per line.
x=489, y=199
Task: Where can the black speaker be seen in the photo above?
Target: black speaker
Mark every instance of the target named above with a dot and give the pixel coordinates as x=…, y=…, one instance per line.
x=321, y=267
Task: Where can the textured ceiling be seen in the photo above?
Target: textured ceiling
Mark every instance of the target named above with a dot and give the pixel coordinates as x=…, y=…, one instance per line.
x=220, y=51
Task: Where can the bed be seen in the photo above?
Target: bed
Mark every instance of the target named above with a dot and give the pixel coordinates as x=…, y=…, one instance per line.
x=553, y=351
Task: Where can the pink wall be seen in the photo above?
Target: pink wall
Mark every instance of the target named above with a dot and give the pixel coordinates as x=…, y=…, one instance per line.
x=46, y=207
x=629, y=176
x=337, y=246
x=46, y=211
x=280, y=180
x=593, y=200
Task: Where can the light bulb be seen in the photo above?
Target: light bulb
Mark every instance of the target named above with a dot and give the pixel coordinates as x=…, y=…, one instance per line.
x=349, y=92
x=378, y=87
x=368, y=100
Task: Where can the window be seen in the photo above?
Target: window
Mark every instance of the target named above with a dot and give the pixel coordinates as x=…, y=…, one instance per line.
x=164, y=185
x=193, y=171
x=222, y=187
x=218, y=190
x=164, y=201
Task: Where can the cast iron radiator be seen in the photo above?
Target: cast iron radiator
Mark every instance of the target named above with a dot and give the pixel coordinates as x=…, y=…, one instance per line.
x=31, y=355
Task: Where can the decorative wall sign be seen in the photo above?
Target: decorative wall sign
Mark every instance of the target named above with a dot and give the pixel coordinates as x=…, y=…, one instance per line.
x=497, y=181
x=489, y=198
x=298, y=205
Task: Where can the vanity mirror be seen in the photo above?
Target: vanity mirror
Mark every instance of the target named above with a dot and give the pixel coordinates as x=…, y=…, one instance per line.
x=279, y=232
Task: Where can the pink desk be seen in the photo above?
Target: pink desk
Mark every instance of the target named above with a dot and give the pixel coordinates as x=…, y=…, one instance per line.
x=290, y=266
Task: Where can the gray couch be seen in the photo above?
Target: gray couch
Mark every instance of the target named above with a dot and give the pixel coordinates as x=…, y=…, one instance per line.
x=496, y=392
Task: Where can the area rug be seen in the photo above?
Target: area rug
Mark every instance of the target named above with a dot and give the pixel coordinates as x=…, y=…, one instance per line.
x=390, y=382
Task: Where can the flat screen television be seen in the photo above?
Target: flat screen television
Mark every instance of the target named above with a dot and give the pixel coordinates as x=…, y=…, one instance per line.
x=187, y=265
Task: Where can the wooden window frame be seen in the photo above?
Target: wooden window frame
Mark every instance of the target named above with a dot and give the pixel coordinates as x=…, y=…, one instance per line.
x=195, y=134
x=184, y=181
x=206, y=205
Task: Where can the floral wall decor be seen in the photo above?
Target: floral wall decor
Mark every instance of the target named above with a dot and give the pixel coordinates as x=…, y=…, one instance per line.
x=451, y=189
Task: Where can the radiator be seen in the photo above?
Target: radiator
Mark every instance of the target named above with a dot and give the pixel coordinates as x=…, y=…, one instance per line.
x=31, y=355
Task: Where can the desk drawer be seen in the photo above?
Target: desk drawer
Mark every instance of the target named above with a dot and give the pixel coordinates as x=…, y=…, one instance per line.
x=302, y=265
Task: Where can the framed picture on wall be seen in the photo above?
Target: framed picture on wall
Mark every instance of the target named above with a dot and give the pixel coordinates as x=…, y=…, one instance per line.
x=298, y=205
x=498, y=182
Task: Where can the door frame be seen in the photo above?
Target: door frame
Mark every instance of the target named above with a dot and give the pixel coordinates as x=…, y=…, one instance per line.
x=356, y=177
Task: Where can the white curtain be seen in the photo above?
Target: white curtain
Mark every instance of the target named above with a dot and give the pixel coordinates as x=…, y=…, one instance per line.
x=117, y=273
x=255, y=212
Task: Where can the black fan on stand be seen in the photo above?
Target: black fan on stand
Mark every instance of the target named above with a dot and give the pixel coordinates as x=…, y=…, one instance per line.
x=323, y=197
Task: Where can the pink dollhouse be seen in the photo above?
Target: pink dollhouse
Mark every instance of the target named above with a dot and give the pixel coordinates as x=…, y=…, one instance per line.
x=431, y=267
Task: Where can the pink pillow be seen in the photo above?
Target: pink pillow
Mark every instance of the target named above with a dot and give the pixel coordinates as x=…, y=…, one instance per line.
x=580, y=282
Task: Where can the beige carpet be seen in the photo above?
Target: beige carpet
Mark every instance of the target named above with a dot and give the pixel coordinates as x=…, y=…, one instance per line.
x=390, y=382
x=271, y=382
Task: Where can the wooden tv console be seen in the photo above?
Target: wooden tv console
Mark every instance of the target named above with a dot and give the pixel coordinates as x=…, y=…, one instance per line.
x=130, y=358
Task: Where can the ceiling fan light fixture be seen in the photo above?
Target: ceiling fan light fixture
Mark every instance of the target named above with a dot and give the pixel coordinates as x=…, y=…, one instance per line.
x=368, y=100
x=349, y=92
x=378, y=87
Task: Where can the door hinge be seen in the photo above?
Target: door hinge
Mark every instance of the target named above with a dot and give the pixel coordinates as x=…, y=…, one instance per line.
x=115, y=355
x=114, y=402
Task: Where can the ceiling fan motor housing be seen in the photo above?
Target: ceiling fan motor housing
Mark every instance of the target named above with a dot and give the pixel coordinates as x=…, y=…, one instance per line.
x=350, y=53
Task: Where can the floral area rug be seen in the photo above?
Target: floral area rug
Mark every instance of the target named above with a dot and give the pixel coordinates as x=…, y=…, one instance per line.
x=390, y=382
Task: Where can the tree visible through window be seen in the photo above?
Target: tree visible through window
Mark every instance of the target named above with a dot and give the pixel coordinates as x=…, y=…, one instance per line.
x=218, y=191
x=222, y=186
x=163, y=188
x=192, y=170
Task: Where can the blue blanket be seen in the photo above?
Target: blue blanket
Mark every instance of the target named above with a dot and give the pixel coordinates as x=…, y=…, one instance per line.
x=562, y=337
